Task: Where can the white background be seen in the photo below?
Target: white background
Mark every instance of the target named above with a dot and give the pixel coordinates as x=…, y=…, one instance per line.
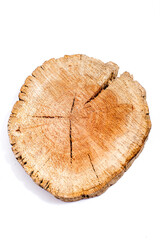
x=123, y=31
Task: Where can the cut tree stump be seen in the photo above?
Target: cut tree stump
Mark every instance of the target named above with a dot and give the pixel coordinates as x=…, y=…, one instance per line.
x=77, y=127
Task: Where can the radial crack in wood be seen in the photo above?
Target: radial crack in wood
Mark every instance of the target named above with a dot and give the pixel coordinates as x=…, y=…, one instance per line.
x=77, y=127
x=47, y=116
x=103, y=87
x=93, y=167
x=70, y=138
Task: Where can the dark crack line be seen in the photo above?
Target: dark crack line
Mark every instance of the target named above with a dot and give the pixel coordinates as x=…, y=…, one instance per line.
x=70, y=137
x=73, y=104
x=101, y=88
x=70, y=131
x=18, y=130
x=33, y=76
x=42, y=67
x=13, y=144
x=47, y=116
x=31, y=173
x=93, y=167
x=23, y=92
x=47, y=185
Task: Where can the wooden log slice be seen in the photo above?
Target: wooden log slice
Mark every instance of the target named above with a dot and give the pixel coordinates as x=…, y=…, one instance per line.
x=77, y=126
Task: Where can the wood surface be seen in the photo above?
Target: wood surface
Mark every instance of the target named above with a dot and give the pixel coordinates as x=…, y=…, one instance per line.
x=77, y=127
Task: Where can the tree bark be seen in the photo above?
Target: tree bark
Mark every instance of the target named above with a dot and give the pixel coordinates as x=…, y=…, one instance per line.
x=77, y=127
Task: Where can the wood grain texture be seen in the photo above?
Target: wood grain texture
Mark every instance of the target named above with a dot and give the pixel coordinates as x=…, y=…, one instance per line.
x=77, y=127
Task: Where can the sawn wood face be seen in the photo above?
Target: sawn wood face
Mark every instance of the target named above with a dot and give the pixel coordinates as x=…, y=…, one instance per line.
x=76, y=126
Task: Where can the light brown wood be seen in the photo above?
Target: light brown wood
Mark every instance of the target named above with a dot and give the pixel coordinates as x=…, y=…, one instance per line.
x=77, y=127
